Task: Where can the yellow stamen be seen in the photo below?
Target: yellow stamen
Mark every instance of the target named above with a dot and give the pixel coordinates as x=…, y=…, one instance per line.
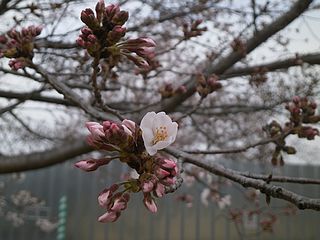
x=160, y=134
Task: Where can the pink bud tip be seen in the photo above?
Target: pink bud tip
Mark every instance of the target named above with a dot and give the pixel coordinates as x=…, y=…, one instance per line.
x=150, y=204
x=109, y=216
x=87, y=165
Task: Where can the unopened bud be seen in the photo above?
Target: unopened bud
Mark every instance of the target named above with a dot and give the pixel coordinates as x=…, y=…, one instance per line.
x=92, y=38
x=296, y=99
x=116, y=34
x=87, y=165
x=87, y=17
x=111, y=10
x=3, y=39
x=181, y=89
x=150, y=204
x=100, y=8
x=80, y=42
x=120, y=18
x=289, y=150
x=13, y=34
x=86, y=31
x=159, y=191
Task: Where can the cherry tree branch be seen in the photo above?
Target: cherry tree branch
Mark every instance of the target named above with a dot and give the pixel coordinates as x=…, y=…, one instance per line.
x=237, y=150
x=36, y=160
x=227, y=62
x=73, y=97
x=311, y=59
x=275, y=191
x=35, y=97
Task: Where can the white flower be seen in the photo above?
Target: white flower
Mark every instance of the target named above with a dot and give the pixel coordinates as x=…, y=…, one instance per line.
x=158, y=131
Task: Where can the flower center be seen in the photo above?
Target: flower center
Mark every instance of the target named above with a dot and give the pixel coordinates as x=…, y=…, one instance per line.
x=160, y=134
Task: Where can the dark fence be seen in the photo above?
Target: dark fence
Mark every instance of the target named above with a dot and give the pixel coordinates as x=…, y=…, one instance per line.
x=72, y=195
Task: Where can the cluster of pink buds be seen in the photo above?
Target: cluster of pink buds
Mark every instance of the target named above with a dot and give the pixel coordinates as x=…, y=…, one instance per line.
x=113, y=202
x=111, y=136
x=168, y=90
x=308, y=132
x=18, y=46
x=302, y=111
x=141, y=51
x=207, y=85
x=103, y=32
x=193, y=30
x=137, y=147
x=152, y=183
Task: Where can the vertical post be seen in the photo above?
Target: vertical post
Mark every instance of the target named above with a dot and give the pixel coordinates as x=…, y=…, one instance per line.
x=62, y=215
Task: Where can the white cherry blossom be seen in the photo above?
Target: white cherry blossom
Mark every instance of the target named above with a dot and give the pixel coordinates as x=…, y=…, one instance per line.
x=158, y=131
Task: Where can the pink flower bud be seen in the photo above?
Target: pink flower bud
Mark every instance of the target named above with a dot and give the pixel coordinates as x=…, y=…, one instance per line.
x=12, y=43
x=87, y=17
x=120, y=30
x=148, y=42
x=159, y=191
x=3, y=39
x=86, y=31
x=13, y=34
x=116, y=34
x=174, y=171
x=114, y=128
x=311, y=133
x=147, y=186
x=120, y=18
x=92, y=38
x=92, y=164
x=106, y=195
x=167, y=163
x=16, y=64
x=38, y=30
x=131, y=125
x=109, y=216
x=80, y=42
x=139, y=61
x=106, y=125
x=295, y=110
x=140, y=42
x=147, y=53
x=296, y=99
x=111, y=10
x=168, y=181
x=25, y=32
x=120, y=203
x=100, y=8
x=161, y=173
x=96, y=130
x=87, y=165
x=181, y=89
x=91, y=141
x=150, y=203
x=33, y=31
